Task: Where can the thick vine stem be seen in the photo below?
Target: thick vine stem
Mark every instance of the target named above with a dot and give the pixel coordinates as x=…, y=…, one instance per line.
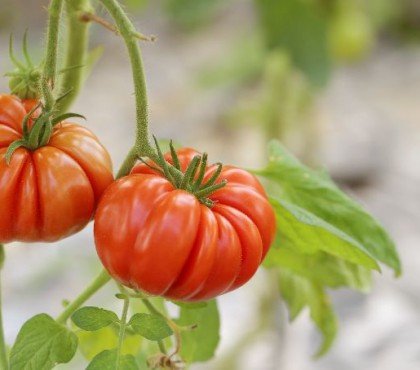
x=127, y=30
x=3, y=351
x=102, y=279
x=75, y=54
x=50, y=67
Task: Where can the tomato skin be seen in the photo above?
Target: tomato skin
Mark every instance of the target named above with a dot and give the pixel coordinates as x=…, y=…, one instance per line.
x=163, y=241
x=51, y=192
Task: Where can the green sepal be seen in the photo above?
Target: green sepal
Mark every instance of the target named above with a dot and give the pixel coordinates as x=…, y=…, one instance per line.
x=201, y=173
x=24, y=80
x=34, y=137
x=210, y=189
x=154, y=168
x=64, y=95
x=190, y=172
x=174, y=156
x=163, y=163
x=46, y=135
x=65, y=116
x=189, y=180
x=214, y=177
x=12, y=148
x=26, y=120
x=12, y=56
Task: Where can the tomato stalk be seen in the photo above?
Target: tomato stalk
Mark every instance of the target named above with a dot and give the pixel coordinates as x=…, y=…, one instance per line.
x=76, y=52
x=50, y=67
x=3, y=351
x=128, y=163
x=128, y=32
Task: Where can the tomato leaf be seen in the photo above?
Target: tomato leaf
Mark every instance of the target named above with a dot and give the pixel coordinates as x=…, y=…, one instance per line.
x=91, y=343
x=311, y=200
x=299, y=292
x=152, y=327
x=322, y=268
x=304, y=232
x=297, y=27
x=200, y=343
x=41, y=344
x=107, y=360
x=93, y=318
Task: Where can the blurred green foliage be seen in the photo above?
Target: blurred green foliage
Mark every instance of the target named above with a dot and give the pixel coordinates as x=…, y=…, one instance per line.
x=298, y=27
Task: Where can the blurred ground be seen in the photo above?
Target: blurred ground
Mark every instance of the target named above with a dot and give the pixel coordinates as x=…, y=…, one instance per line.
x=370, y=129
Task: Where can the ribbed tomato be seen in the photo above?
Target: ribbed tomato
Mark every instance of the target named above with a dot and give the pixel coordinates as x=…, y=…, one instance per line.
x=51, y=192
x=159, y=239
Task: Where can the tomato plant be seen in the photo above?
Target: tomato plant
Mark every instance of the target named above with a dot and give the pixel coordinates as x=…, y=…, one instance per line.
x=171, y=228
x=188, y=240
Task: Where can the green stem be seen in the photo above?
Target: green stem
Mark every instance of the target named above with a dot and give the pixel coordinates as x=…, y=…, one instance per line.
x=50, y=67
x=123, y=325
x=3, y=351
x=76, y=52
x=128, y=163
x=127, y=30
x=94, y=286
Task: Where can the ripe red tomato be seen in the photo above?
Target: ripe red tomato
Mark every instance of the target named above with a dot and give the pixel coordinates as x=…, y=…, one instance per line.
x=51, y=192
x=153, y=237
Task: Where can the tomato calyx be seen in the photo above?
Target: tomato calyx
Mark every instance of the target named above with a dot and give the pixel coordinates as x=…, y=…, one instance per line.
x=193, y=178
x=25, y=78
x=37, y=129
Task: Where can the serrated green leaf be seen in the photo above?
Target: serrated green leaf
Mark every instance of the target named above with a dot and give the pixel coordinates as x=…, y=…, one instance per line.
x=107, y=360
x=314, y=193
x=41, y=344
x=320, y=267
x=298, y=293
x=297, y=27
x=306, y=233
x=201, y=343
x=92, y=343
x=93, y=318
x=152, y=327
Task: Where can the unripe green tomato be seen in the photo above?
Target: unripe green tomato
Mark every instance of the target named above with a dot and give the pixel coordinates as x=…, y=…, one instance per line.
x=351, y=36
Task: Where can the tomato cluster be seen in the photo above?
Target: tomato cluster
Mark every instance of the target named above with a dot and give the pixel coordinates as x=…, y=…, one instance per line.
x=159, y=239
x=150, y=234
x=51, y=192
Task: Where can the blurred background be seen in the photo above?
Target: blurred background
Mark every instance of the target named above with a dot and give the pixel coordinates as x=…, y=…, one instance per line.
x=338, y=81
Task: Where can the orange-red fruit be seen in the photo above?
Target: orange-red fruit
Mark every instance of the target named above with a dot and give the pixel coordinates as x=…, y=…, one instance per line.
x=51, y=192
x=163, y=241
